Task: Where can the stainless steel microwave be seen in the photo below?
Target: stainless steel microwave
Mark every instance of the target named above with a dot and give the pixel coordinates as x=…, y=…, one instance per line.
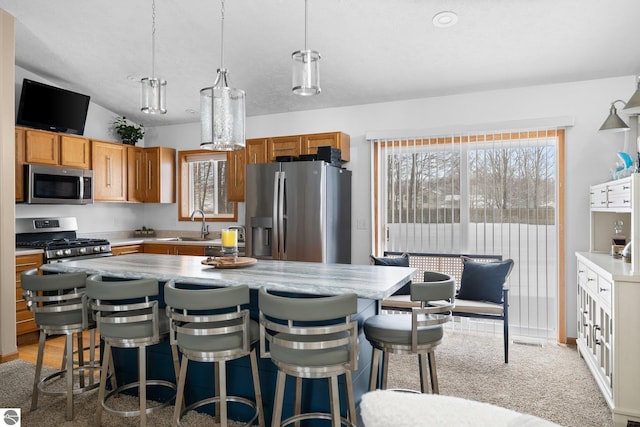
x=57, y=185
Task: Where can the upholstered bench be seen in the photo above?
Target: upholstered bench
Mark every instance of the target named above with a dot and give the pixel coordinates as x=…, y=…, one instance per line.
x=480, y=281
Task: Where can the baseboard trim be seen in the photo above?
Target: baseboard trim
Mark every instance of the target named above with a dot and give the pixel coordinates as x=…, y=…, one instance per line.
x=8, y=357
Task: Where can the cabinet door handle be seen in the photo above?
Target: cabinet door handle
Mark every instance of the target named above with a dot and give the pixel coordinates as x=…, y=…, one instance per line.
x=137, y=174
x=625, y=187
x=235, y=167
x=626, y=201
x=590, y=279
x=109, y=171
x=604, y=289
x=149, y=176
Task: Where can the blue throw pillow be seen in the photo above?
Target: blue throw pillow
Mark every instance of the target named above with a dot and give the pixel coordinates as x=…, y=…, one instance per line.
x=395, y=261
x=483, y=281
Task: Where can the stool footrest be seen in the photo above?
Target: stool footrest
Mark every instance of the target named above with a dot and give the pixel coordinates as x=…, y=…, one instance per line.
x=93, y=381
x=135, y=413
x=315, y=416
x=216, y=400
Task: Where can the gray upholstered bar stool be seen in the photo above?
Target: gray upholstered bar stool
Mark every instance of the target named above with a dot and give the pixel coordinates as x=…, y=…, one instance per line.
x=417, y=333
x=128, y=316
x=213, y=325
x=310, y=338
x=59, y=304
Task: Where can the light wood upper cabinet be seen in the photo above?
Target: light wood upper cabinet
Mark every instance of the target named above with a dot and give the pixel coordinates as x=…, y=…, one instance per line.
x=75, y=152
x=235, y=175
x=50, y=148
x=161, y=174
x=135, y=174
x=109, y=171
x=19, y=165
x=151, y=174
x=311, y=142
x=283, y=146
x=42, y=147
x=256, y=151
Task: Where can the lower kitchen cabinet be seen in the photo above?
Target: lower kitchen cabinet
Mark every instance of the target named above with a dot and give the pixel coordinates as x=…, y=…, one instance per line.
x=126, y=249
x=161, y=248
x=24, y=318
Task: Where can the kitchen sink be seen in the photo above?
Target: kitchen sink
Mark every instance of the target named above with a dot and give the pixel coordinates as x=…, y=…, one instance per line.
x=184, y=239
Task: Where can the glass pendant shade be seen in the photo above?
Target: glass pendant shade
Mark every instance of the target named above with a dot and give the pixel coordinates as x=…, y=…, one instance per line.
x=614, y=123
x=154, y=96
x=633, y=105
x=306, y=72
x=222, y=112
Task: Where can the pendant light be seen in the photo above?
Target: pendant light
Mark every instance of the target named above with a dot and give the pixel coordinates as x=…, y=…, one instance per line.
x=222, y=110
x=153, y=95
x=306, y=67
x=633, y=104
x=614, y=123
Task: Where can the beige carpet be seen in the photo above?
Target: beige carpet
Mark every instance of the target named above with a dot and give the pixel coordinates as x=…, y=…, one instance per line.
x=551, y=382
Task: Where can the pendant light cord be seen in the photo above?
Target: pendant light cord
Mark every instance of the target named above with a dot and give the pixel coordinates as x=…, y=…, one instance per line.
x=306, y=20
x=153, y=39
x=222, y=35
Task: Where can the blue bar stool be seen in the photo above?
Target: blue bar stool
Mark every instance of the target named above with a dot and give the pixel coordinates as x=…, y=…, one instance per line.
x=59, y=304
x=128, y=316
x=310, y=338
x=211, y=325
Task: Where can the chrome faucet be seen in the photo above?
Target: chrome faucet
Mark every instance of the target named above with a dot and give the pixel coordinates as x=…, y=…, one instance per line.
x=204, y=231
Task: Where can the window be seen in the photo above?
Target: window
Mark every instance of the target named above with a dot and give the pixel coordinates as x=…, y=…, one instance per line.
x=495, y=193
x=203, y=185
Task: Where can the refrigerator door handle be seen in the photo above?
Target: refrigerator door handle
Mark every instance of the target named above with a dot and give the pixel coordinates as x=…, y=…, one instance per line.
x=281, y=230
x=274, y=214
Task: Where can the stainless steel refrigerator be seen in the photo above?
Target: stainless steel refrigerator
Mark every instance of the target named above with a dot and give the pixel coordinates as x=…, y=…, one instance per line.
x=298, y=211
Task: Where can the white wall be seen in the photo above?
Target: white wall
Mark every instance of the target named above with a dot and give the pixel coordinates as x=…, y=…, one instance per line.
x=589, y=155
x=8, y=348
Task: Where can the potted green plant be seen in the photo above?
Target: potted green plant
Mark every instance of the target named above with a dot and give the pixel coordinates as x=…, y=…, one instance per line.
x=129, y=133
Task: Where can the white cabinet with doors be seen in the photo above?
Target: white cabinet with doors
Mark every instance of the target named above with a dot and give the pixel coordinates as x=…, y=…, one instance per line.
x=608, y=299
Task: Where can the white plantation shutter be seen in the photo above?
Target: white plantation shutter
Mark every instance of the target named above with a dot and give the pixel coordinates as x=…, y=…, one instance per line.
x=479, y=193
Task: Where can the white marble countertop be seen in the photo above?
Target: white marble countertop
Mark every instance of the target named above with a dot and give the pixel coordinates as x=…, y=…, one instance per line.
x=367, y=281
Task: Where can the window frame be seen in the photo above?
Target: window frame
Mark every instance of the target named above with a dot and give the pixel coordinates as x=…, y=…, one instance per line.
x=183, y=188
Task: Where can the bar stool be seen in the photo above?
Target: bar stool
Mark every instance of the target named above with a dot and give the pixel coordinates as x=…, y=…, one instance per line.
x=128, y=316
x=417, y=333
x=59, y=304
x=310, y=338
x=210, y=325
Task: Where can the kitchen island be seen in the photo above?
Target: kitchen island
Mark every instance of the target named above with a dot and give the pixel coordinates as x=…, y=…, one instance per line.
x=370, y=283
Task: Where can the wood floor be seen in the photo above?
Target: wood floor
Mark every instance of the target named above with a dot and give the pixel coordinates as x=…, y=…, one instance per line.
x=53, y=350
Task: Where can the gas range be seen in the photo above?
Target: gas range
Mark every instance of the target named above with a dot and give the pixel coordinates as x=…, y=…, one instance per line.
x=57, y=237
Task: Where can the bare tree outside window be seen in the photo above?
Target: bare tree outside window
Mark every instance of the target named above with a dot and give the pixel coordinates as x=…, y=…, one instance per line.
x=480, y=194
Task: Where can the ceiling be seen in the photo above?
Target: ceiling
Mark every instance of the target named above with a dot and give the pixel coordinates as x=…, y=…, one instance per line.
x=372, y=50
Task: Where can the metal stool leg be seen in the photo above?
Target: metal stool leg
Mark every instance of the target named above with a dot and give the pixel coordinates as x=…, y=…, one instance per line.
x=422, y=367
x=279, y=400
x=106, y=359
x=385, y=369
x=351, y=404
x=36, y=379
x=142, y=391
x=434, y=374
x=256, y=387
x=69, y=375
x=375, y=369
x=298, y=399
x=334, y=395
x=180, y=392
